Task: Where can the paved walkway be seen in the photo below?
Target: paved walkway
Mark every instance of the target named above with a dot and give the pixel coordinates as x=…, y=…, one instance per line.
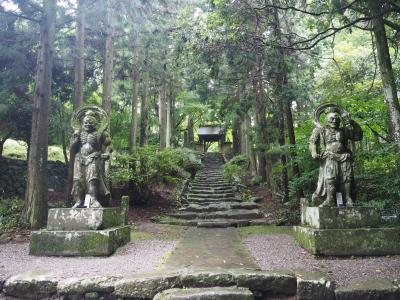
x=210, y=248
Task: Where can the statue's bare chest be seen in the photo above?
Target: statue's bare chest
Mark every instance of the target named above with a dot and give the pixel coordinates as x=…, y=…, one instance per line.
x=89, y=143
x=334, y=136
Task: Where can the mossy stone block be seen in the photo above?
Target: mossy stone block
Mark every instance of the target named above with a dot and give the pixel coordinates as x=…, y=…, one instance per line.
x=84, y=218
x=340, y=218
x=369, y=289
x=211, y=293
x=78, y=243
x=348, y=242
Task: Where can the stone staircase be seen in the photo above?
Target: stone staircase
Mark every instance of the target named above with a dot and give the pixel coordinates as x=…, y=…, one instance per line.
x=211, y=201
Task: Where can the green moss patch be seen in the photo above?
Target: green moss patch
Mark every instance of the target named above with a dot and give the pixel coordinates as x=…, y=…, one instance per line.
x=266, y=230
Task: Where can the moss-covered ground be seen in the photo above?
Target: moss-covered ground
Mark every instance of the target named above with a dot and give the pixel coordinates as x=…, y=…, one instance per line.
x=271, y=229
x=151, y=231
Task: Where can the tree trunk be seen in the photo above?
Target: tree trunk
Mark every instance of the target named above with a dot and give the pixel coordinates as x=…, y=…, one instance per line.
x=134, y=103
x=260, y=121
x=108, y=58
x=168, y=115
x=282, y=144
x=2, y=147
x=190, y=131
x=163, y=103
x=35, y=210
x=236, y=136
x=79, y=64
x=281, y=97
x=144, y=113
x=245, y=142
x=79, y=71
x=163, y=119
x=387, y=75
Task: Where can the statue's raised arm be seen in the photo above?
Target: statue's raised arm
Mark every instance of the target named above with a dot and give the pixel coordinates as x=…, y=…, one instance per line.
x=329, y=144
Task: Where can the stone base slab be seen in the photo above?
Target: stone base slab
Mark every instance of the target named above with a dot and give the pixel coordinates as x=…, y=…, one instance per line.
x=60, y=219
x=340, y=218
x=348, y=242
x=78, y=243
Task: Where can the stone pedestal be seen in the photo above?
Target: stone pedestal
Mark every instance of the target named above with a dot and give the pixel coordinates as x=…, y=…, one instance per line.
x=345, y=232
x=82, y=232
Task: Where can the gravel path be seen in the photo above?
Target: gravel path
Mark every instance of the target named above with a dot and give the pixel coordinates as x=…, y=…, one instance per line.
x=280, y=251
x=138, y=257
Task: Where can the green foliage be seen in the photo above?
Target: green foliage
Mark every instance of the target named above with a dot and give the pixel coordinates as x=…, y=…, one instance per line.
x=10, y=213
x=236, y=167
x=149, y=165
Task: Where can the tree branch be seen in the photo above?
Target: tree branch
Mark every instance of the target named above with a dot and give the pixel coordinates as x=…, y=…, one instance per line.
x=395, y=6
x=317, y=38
x=376, y=133
x=391, y=24
x=9, y=13
x=316, y=14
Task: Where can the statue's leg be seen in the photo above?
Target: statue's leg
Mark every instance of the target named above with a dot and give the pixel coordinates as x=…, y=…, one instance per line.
x=94, y=193
x=330, y=193
x=78, y=194
x=347, y=193
x=347, y=171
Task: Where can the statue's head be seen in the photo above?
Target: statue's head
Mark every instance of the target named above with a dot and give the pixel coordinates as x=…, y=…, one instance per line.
x=333, y=120
x=89, y=122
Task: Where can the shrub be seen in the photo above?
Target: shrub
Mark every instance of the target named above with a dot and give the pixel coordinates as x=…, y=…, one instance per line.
x=236, y=167
x=150, y=165
x=10, y=213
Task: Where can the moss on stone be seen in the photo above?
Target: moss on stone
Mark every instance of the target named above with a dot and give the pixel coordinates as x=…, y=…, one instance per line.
x=347, y=242
x=78, y=243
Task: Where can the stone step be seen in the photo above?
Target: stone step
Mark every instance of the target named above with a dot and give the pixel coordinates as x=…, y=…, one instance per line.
x=236, y=214
x=203, y=174
x=210, y=188
x=211, y=293
x=211, y=192
x=210, y=185
x=199, y=179
x=211, y=195
x=221, y=206
x=200, y=198
x=209, y=179
x=216, y=223
x=211, y=200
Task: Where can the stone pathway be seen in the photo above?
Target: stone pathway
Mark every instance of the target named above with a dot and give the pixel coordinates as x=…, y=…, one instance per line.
x=207, y=248
x=211, y=201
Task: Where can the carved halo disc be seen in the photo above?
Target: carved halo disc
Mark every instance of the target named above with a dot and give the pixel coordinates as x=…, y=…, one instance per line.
x=100, y=114
x=321, y=108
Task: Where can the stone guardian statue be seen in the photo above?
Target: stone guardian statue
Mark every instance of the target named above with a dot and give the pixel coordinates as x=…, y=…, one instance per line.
x=329, y=144
x=91, y=145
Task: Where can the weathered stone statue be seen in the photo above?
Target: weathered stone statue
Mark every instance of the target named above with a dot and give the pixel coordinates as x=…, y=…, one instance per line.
x=329, y=145
x=91, y=145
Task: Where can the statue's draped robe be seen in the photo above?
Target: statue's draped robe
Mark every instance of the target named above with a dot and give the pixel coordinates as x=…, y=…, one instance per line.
x=92, y=166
